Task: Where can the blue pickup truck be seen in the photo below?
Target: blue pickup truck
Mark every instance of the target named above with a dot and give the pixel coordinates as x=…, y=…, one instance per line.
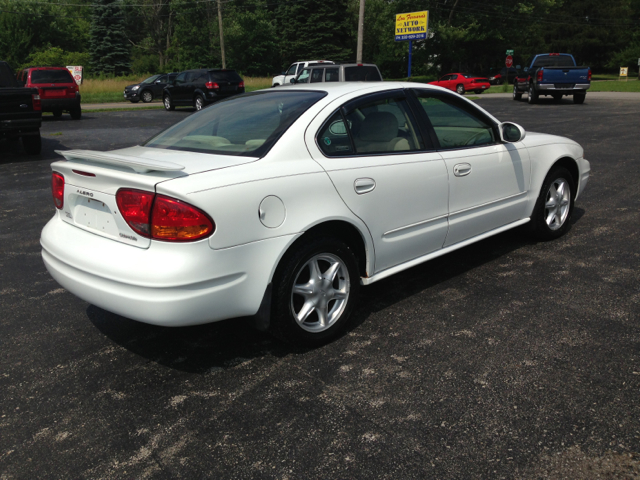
x=554, y=74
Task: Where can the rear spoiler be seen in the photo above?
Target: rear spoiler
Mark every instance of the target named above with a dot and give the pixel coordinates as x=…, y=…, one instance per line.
x=139, y=165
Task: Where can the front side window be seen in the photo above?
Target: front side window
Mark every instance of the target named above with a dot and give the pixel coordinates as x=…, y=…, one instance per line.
x=180, y=78
x=292, y=69
x=246, y=125
x=454, y=123
x=304, y=76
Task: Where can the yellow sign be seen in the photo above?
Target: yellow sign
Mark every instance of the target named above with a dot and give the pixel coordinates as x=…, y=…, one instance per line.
x=624, y=71
x=412, y=26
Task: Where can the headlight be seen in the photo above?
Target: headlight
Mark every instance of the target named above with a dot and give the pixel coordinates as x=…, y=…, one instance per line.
x=492, y=78
x=135, y=88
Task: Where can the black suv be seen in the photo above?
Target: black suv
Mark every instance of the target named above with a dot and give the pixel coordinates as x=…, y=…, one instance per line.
x=148, y=89
x=198, y=88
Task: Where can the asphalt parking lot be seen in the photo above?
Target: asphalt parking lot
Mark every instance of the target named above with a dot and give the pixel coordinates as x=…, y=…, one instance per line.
x=506, y=359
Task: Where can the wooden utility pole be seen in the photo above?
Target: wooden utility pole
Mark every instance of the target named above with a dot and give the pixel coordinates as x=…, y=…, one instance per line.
x=360, y=32
x=224, y=63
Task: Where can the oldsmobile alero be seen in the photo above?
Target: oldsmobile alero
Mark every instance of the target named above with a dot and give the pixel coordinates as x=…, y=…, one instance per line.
x=280, y=204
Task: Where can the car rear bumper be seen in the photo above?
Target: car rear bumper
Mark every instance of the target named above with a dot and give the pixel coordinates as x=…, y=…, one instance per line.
x=51, y=104
x=167, y=284
x=578, y=87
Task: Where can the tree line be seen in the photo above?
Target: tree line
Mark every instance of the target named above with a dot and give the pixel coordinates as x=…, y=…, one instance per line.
x=262, y=37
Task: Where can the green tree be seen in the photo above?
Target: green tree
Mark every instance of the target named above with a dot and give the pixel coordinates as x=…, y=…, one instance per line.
x=109, y=45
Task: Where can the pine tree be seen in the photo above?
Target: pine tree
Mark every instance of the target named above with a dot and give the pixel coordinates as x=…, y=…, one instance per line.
x=108, y=44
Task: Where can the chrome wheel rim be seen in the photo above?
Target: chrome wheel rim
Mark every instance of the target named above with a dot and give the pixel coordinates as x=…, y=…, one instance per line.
x=557, y=202
x=198, y=103
x=167, y=103
x=320, y=293
x=460, y=90
x=146, y=97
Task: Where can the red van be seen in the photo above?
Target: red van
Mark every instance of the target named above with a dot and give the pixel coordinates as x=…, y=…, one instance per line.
x=58, y=90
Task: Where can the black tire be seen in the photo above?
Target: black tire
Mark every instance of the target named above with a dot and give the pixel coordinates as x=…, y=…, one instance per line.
x=168, y=104
x=516, y=94
x=557, y=97
x=295, y=266
x=76, y=113
x=578, y=98
x=32, y=144
x=460, y=89
x=198, y=102
x=275, y=85
x=533, y=95
x=57, y=113
x=146, y=96
x=134, y=101
x=542, y=225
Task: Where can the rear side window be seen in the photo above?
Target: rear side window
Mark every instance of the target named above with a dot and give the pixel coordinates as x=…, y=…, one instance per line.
x=333, y=138
x=332, y=75
x=455, y=125
x=362, y=74
x=51, y=76
x=316, y=75
x=228, y=76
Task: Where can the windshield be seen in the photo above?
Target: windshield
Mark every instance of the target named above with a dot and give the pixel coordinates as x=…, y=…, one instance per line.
x=151, y=79
x=246, y=125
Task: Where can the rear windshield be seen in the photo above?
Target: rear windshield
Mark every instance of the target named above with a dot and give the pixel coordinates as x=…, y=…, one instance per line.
x=229, y=76
x=554, y=61
x=51, y=76
x=362, y=74
x=245, y=125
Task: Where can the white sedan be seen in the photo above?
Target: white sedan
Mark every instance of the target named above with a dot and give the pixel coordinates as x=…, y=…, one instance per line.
x=280, y=204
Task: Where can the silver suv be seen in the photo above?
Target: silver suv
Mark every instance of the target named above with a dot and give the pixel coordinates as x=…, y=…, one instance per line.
x=346, y=72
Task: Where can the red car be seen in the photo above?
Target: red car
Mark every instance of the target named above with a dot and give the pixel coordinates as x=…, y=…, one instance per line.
x=462, y=82
x=58, y=90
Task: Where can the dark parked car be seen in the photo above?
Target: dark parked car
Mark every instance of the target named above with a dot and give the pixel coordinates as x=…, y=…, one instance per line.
x=20, y=112
x=498, y=78
x=58, y=91
x=198, y=88
x=148, y=89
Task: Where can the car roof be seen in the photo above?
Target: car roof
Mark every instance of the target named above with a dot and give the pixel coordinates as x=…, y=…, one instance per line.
x=337, y=89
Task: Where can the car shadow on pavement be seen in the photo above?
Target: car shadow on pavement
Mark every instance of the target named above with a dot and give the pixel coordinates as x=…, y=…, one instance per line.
x=225, y=344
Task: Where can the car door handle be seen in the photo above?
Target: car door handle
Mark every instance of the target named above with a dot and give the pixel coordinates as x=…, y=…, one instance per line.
x=364, y=185
x=461, y=169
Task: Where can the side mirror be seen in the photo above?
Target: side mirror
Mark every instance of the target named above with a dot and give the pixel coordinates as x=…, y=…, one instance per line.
x=511, y=132
x=526, y=69
x=293, y=80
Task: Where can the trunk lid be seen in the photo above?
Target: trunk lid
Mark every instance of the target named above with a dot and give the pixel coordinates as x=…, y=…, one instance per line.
x=93, y=178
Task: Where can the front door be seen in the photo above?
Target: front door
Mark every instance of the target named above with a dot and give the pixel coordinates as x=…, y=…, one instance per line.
x=384, y=172
x=488, y=180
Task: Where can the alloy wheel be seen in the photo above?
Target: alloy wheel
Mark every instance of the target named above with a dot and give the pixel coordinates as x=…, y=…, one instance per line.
x=557, y=203
x=320, y=292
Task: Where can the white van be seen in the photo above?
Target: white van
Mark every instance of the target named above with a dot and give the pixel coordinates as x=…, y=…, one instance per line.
x=295, y=69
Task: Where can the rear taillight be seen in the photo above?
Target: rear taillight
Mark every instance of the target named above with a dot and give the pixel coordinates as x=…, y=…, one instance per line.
x=176, y=221
x=57, y=189
x=589, y=75
x=135, y=208
x=241, y=84
x=163, y=218
x=212, y=85
x=35, y=101
x=540, y=72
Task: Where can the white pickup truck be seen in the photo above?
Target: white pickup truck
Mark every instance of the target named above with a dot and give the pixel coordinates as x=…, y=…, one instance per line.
x=295, y=69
